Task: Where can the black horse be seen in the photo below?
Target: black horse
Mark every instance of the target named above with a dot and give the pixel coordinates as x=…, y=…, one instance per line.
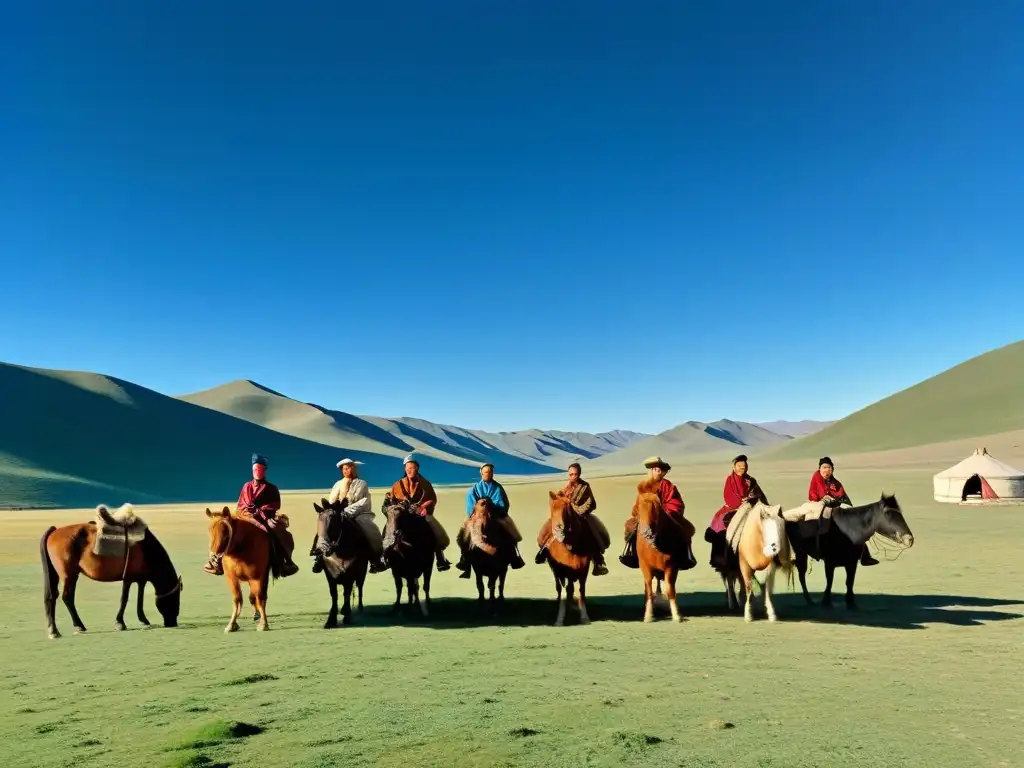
x=408, y=551
x=345, y=557
x=839, y=541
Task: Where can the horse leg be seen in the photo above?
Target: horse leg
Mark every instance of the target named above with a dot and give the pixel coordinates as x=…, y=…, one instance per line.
x=139, y=609
x=769, y=587
x=830, y=572
x=359, y=585
x=126, y=587
x=425, y=607
x=332, y=616
x=51, y=581
x=68, y=595
x=748, y=576
x=491, y=583
x=851, y=575
x=501, y=585
x=648, y=593
x=256, y=611
x=398, y=593
x=560, y=618
x=581, y=600
x=261, y=601
x=346, y=609
x=570, y=590
x=801, y=569
x=670, y=593
x=480, y=588
x=236, y=595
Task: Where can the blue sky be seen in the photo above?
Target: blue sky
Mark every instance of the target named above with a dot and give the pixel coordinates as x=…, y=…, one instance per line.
x=513, y=215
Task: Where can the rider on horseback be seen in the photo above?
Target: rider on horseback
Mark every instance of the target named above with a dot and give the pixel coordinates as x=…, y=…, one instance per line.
x=672, y=503
x=740, y=488
x=353, y=494
x=489, y=488
x=581, y=499
x=261, y=500
x=826, y=487
x=415, y=488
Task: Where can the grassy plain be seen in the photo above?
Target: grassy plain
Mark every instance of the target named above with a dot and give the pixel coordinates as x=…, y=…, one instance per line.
x=927, y=673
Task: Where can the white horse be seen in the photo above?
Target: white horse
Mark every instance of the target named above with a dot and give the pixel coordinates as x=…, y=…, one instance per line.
x=757, y=535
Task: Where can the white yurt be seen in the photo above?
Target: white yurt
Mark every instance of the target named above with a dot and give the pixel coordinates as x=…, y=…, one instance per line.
x=980, y=479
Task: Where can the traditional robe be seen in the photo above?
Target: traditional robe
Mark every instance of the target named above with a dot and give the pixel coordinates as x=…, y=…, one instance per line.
x=820, y=488
x=581, y=497
x=357, y=493
x=488, y=490
x=418, y=490
x=582, y=502
x=735, y=492
x=671, y=502
x=260, y=499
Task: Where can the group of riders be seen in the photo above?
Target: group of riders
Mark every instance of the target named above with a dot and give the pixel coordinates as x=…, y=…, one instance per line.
x=260, y=500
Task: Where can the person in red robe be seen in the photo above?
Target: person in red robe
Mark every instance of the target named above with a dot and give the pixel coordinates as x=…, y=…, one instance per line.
x=740, y=488
x=825, y=486
x=260, y=500
x=671, y=502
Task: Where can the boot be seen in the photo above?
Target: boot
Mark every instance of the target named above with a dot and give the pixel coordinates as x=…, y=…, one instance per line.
x=542, y=556
x=378, y=565
x=463, y=565
x=517, y=560
x=866, y=558
x=288, y=568
x=213, y=566
x=600, y=569
x=442, y=562
x=318, y=556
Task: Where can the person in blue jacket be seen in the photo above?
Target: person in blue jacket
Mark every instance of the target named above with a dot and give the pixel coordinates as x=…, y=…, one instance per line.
x=489, y=488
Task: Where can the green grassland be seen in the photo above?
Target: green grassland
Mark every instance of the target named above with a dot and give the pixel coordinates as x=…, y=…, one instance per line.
x=927, y=673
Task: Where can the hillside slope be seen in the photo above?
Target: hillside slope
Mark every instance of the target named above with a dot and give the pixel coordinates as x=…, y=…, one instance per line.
x=79, y=439
x=795, y=428
x=982, y=396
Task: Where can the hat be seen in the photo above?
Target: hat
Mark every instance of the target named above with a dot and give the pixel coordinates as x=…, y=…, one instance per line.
x=487, y=464
x=655, y=461
x=258, y=459
x=742, y=457
x=410, y=459
x=825, y=460
x=343, y=462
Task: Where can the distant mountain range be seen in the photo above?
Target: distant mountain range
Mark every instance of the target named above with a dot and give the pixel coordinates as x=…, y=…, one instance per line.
x=73, y=438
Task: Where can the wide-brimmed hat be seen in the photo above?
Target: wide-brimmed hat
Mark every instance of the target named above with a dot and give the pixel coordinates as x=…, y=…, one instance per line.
x=656, y=461
x=343, y=462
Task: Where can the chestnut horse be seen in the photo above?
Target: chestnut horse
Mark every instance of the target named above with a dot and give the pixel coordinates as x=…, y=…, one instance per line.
x=661, y=546
x=408, y=551
x=487, y=559
x=757, y=541
x=245, y=550
x=569, y=563
x=67, y=553
x=345, y=557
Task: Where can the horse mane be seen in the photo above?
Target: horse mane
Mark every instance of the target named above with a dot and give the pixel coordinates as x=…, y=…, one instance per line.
x=648, y=486
x=476, y=524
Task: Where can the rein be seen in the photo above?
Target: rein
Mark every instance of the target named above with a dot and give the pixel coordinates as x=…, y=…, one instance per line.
x=231, y=538
x=171, y=591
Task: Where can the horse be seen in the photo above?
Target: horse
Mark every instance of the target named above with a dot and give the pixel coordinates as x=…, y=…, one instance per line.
x=839, y=541
x=661, y=546
x=408, y=551
x=345, y=558
x=569, y=564
x=68, y=552
x=245, y=549
x=757, y=541
x=487, y=559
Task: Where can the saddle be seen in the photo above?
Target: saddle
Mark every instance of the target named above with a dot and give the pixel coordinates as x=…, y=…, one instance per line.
x=117, y=532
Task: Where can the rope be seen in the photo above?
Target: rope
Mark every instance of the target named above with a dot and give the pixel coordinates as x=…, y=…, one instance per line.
x=884, y=546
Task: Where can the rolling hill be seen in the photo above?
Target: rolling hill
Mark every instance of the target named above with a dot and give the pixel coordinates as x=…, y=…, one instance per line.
x=795, y=428
x=512, y=452
x=982, y=396
x=78, y=439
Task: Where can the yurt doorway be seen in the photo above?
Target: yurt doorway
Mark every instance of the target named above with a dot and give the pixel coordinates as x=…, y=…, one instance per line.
x=972, y=488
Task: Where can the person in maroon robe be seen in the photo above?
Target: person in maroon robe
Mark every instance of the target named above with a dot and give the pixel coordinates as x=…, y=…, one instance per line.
x=671, y=502
x=825, y=486
x=740, y=488
x=260, y=500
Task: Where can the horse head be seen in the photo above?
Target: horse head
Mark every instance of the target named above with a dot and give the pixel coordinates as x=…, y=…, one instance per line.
x=169, y=604
x=477, y=525
x=648, y=509
x=397, y=513
x=891, y=524
x=329, y=523
x=564, y=521
x=221, y=529
x=774, y=542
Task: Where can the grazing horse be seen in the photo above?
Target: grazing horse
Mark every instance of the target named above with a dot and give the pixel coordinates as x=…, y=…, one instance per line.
x=245, y=549
x=757, y=542
x=345, y=557
x=408, y=551
x=487, y=559
x=68, y=552
x=839, y=541
x=661, y=546
x=566, y=555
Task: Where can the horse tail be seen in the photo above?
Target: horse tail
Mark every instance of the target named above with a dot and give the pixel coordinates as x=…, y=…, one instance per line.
x=50, y=577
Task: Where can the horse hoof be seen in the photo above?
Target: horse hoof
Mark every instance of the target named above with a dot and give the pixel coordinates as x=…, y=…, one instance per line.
x=119, y=626
x=584, y=620
x=648, y=619
x=330, y=624
x=53, y=635
x=772, y=617
x=262, y=627
x=80, y=630
x=231, y=628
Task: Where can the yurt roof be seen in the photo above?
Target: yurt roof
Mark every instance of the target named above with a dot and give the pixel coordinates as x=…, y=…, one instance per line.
x=982, y=464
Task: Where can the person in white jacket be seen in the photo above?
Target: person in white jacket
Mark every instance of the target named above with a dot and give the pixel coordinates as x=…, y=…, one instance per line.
x=356, y=494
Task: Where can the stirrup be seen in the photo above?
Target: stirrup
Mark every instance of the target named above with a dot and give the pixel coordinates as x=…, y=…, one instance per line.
x=442, y=563
x=542, y=555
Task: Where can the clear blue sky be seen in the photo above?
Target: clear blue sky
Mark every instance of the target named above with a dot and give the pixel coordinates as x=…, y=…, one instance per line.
x=512, y=215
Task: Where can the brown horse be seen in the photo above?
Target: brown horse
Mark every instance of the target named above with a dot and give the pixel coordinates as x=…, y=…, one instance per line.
x=564, y=536
x=757, y=542
x=490, y=551
x=245, y=550
x=661, y=546
x=67, y=553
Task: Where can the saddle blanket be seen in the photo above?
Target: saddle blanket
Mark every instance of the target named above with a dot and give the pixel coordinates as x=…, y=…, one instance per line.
x=117, y=532
x=811, y=510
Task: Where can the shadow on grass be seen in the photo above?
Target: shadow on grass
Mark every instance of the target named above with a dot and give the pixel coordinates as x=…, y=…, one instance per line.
x=888, y=611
